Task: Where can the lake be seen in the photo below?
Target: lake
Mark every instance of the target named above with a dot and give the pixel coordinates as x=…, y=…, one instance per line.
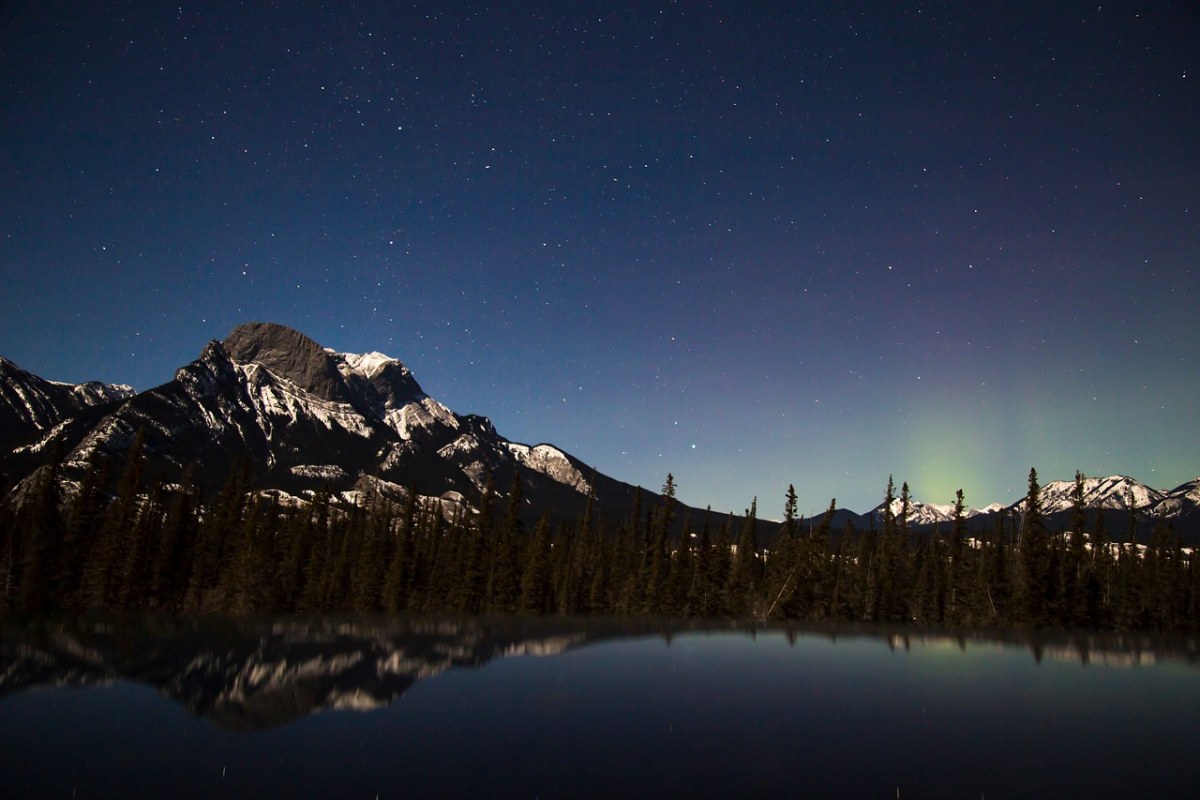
x=463, y=707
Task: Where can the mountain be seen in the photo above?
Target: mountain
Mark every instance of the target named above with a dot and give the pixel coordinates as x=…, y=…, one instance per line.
x=1116, y=492
x=1182, y=501
x=307, y=418
x=920, y=513
x=1113, y=493
x=1114, y=497
x=30, y=406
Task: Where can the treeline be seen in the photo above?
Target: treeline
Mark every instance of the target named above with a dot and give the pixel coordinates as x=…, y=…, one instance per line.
x=168, y=547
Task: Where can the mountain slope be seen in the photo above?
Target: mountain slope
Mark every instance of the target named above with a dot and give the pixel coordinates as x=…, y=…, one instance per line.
x=30, y=405
x=1182, y=501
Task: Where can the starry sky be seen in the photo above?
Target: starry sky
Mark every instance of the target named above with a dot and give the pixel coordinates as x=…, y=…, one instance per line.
x=750, y=244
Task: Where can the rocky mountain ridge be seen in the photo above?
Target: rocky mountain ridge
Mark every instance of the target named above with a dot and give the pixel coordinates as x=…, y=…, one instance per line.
x=1110, y=493
x=30, y=406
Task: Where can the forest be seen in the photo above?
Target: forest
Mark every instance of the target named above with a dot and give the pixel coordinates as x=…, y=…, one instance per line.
x=150, y=545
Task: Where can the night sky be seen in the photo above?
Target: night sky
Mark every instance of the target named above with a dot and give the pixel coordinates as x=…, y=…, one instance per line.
x=751, y=244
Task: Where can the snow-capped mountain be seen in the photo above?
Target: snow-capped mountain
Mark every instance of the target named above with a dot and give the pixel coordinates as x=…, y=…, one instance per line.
x=1116, y=492
x=30, y=405
x=306, y=418
x=923, y=513
x=1115, y=495
x=1181, y=501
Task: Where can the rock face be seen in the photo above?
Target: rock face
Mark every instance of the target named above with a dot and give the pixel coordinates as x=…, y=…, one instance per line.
x=290, y=355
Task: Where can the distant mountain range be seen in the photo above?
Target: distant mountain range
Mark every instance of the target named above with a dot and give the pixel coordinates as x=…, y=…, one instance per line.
x=308, y=418
x=1113, y=493
x=1113, y=497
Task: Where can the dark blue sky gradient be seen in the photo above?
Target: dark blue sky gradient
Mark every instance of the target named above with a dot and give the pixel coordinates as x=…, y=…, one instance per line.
x=751, y=244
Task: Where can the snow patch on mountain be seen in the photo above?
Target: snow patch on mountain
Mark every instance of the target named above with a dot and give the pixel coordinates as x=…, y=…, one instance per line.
x=920, y=513
x=1182, y=499
x=93, y=392
x=477, y=472
x=421, y=415
x=551, y=462
x=41, y=444
x=466, y=444
x=324, y=472
x=368, y=365
x=280, y=398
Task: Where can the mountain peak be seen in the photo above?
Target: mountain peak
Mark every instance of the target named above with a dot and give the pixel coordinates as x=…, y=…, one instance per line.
x=289, y=354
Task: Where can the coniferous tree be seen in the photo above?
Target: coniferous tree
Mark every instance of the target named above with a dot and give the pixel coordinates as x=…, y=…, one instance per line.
x=535, y=575
x=955, y=568
x=779, y=573
x=40, y=532
x=889, y=589
x=397, y=583
x=845, y=603
x=1035, y=558
x=108, y=553
x=1071, y=583
x=241, y=582
x=720, y=571
x=372, y=558
x=657, y=559
x=682, y=572
x=744, y=578
x=169, y=569
x=318, y=564
x=83, y=521
x=133, y=576
x=504, y=578
x=702, y=592
x=209, y=553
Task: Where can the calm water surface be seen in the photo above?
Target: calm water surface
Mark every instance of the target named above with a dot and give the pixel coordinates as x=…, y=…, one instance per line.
x=468, y=708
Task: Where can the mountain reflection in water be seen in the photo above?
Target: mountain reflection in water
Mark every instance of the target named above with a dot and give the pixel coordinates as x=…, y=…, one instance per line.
x=253, y=674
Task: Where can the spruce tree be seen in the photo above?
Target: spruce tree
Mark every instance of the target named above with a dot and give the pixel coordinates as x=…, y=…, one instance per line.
x=535, y=575
x=658, y=557
x=1035, y=557
x=955, y=568
x=744, y=578
x=504, y=575
x=109, y=551
x=169, y=567
x=1074, y=602
x=40, y=532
